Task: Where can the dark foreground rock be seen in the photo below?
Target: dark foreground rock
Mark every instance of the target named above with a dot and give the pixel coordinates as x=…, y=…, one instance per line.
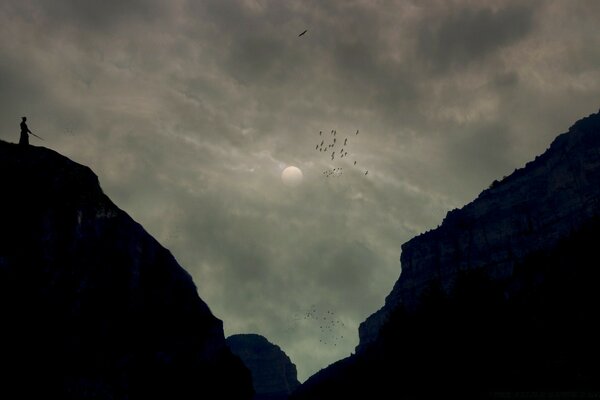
x=93, y=307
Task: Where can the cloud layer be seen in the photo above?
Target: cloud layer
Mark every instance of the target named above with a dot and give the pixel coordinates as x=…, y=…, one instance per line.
x=188, y=111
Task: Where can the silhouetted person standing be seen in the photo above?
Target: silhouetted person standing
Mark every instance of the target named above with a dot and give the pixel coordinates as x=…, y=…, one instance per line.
x=24, y=140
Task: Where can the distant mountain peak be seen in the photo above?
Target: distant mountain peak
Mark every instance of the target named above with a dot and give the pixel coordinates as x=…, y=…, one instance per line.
x=273, y=373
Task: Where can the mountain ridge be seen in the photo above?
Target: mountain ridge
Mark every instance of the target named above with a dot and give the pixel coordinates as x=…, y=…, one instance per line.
x=500, y=300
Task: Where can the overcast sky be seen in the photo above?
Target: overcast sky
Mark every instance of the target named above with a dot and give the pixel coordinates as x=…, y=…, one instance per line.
x=189, y=110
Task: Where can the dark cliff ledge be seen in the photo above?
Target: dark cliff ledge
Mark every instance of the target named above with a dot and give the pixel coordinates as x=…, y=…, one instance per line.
x=273, y=374
x=91, y=305
x=528, y=211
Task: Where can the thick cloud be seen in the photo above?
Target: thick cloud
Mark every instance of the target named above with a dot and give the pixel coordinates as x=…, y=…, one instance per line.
x=458, y=36
x=189, y=110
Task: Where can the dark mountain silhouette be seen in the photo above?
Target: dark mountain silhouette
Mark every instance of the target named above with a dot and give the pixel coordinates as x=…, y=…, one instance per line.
x=273, y=373
x=499, y=301
x=92, y=306
x=528, y=211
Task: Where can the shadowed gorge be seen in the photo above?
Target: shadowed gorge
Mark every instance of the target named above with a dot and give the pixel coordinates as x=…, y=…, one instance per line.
x=501, y=298
x=91, y=305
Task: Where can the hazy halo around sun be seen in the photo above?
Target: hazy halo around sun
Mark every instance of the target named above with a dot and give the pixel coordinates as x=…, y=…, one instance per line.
x=291, y=176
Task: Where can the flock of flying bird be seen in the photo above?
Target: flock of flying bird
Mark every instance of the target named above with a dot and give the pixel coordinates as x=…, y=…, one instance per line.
x=328, y=324
x=343, y=153
x=330, y=147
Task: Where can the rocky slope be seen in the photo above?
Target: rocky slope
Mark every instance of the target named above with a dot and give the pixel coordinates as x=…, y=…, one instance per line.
x=473, y=342
x=273, y=373
x=92, y=306
x=528, y=211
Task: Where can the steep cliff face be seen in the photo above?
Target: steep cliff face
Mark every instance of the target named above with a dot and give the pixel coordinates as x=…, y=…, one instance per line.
x=499, y=301
x=92, y=306
x=528, y=211
x=473, y=342
x=273, y=373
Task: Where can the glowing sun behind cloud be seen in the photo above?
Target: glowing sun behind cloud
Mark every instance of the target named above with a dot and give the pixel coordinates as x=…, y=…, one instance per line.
x=292, y=176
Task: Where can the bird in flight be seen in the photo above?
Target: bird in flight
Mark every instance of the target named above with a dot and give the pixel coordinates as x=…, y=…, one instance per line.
x=303, y=32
